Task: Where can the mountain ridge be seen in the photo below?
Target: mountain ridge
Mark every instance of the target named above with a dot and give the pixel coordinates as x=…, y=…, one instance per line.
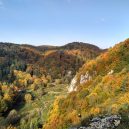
x=44, y=55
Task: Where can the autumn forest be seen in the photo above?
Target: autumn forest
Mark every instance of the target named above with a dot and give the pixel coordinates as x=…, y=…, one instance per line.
x=75, y=86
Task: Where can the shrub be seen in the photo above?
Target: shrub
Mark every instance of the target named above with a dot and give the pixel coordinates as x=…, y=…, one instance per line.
x=3, y=106
x=28, y=97
x=84, y=93
x=13, y=117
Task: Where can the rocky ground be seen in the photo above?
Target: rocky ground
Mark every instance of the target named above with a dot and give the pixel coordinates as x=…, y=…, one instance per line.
x=105, y=122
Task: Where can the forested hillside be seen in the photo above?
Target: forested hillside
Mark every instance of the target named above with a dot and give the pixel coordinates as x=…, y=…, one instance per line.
x=101, y=91
x=31, y=77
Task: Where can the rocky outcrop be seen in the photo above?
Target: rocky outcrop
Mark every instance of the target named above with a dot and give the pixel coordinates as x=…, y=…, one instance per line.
x=106, y=122
x=73, y=86
x=85, y=78
x=111, y=72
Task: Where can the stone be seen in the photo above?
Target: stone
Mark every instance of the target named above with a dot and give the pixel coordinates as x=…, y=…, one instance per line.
x=85, y=78
x=72, y=86
x=111, y=72
x=105, y=122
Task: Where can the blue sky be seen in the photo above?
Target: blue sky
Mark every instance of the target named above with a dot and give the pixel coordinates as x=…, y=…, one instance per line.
x=57, y=22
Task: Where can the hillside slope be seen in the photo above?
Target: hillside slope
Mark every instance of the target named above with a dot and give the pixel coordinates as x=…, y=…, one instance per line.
x=102, y=88
x=32, y=77
x=64, y=61
x=58, y=62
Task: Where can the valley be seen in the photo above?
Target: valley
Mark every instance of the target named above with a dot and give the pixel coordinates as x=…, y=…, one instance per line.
x=31, y=78
x=75, y=86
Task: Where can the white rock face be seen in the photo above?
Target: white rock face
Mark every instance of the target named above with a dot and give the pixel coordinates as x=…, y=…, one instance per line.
x=111, y=72
x=73, y=86
x=69, y=73
x=85, y=78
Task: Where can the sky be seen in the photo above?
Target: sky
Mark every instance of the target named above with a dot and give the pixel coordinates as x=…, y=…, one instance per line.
x=57, y=22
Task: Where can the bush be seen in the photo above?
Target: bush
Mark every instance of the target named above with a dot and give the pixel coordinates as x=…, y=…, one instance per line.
x=13, y=117
x=84, y=93
x=28, y=97
x=3, y=106
x=58, y=81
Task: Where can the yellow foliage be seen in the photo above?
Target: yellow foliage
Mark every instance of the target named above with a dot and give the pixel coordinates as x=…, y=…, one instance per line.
x=114, y=108
x=11, y=127
x=124, y=98
x=7, y=97
x=95, y=110
x=73, y=117
x=28, y=97
x=4, y=88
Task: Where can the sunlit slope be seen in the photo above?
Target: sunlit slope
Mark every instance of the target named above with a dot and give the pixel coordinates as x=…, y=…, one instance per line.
x=102, y=88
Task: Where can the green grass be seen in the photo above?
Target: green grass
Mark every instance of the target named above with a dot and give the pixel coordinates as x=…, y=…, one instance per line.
x=44, y=103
